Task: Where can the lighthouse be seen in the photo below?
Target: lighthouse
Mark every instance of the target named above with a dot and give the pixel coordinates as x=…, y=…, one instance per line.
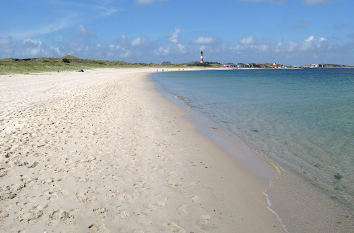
x=201, y=57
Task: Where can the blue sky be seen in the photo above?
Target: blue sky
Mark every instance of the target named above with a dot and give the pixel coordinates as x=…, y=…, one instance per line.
x=282, y=31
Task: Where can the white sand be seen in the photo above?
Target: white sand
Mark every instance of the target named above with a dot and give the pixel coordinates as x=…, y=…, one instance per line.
x=102, y=151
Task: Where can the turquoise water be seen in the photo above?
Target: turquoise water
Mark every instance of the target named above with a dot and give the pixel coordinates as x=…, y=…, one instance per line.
x=301, y=119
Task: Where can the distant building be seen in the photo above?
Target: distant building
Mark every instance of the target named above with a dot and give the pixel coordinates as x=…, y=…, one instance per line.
x=254, y=65
x=242, y=65
x=229, y=65
x=277, y=66
x=312, y=66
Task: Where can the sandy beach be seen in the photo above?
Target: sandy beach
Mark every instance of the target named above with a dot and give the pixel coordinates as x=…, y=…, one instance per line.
x=103, y=151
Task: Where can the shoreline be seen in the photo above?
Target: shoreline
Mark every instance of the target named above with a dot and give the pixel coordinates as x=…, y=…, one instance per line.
x=286, y=191
x=104, y=151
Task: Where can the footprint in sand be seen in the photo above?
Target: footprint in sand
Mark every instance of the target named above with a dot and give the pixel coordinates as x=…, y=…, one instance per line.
x=10, y=191
x=67, y=217
x=156, y=205
x=182, y=210
x=100, y=211
x=82, y=179
x=97, y=228
x=33, y=165
x=85, y=197
x=140, y=184
x=195, y=199
x=26, y=180
x=124, y=214
x=173, y=184
x=3, y=172
x=3, y=215
x=174, y=227
x=52, y=194
x=20, y=163
x=126, y=197
x=34, y=213
x=204, y=222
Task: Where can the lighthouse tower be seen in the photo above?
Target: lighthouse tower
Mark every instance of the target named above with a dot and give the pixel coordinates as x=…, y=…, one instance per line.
x=201, y=57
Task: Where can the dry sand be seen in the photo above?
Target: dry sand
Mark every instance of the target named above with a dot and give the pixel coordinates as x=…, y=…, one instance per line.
x=102, y=151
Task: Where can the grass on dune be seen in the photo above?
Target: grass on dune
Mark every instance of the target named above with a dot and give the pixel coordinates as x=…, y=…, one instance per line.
x=67, y=63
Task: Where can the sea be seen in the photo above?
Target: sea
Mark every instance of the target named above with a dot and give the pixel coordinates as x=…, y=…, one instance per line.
x=301, y=120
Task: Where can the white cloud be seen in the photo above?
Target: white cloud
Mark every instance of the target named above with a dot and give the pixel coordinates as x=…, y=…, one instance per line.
x=148, y=2
x=161, y=51
x=309, y=44
x=174, y=36
x=262, y=47
x=46, y=29
x=125, y=54
x=32, y=43
x=287, y=47
x=108, y=11
x=247, y=40
x=250, y=43
x=56, y=50
x=317, y=2
x=32, y=47
x=5, y=41
x=309, y=39
x=312, y=49
x=204, y=40
x=137, y=41
x=81, y=30
x=181, y=48
x=266, y=1
x=6, y=47
x=104, y=8
x=322, y=42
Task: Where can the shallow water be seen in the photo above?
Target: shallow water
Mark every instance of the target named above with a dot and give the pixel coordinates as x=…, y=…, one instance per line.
x=301, y=119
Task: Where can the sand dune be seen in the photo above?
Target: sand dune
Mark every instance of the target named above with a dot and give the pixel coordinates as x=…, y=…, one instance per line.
x=102, y=151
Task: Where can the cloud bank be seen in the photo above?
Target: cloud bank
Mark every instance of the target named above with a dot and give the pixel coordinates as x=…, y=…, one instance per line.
x=265, y=1
x=317, y=2
x=311, y=49
x=148, y=2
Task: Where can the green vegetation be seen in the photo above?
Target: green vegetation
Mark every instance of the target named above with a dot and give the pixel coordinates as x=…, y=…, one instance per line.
x=70, y=63
x=67, y=63
x=205, y=64
x=337, y=66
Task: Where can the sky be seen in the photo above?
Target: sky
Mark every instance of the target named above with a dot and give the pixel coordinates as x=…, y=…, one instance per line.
x=282, y=31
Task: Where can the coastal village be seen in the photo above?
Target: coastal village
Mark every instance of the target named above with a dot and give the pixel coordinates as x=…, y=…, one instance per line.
x=253, y=65
x=274, y=66
x=269, y=65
